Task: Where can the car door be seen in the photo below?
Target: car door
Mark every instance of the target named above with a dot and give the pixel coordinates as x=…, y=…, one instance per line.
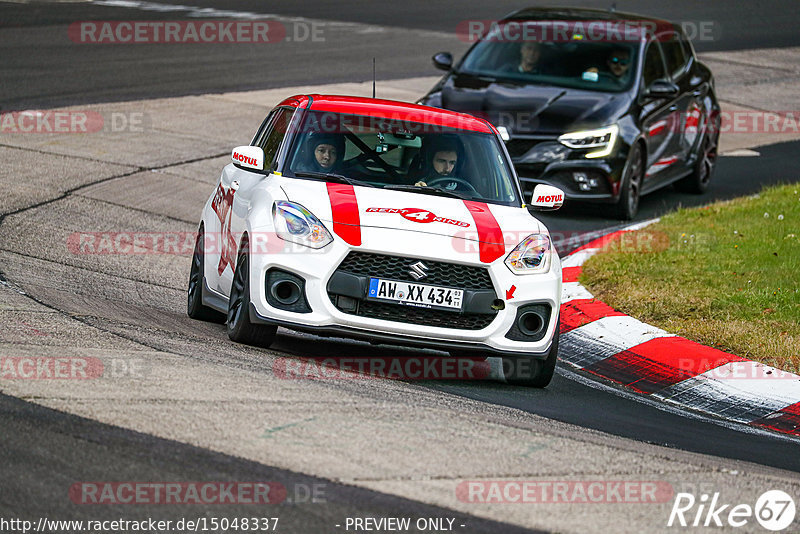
x=659, y=120
x=236, y=190
x=696, y=87
x=687, y=103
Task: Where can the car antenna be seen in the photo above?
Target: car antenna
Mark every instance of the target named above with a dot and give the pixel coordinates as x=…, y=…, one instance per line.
x=373, y=77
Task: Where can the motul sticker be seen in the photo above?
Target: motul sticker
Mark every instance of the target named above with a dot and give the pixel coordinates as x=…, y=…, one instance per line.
x=419, y=216
x=550, y=198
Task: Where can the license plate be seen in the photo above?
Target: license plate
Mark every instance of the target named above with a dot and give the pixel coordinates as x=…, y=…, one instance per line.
x=418, y=295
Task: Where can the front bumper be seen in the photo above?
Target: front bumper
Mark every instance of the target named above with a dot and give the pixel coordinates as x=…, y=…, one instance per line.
x=316, y=269
x=549, y=162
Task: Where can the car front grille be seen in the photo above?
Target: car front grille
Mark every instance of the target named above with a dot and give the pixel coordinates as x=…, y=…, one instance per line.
x=397, y=268
x=519, y=147
x=409, y=314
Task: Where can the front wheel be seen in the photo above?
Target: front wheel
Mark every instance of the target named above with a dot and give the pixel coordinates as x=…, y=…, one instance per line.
x=632, y=176
x=532, y=372
x=698, y=181
x=194, y=301
x=240, y=329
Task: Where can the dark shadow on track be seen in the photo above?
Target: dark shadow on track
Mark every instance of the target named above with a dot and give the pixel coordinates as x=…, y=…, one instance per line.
x=44, y=452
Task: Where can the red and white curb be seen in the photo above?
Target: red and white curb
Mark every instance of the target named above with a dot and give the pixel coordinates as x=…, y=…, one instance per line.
x=607, y=343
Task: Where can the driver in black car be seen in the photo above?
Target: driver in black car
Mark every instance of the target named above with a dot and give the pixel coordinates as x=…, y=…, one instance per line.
x=441, y=158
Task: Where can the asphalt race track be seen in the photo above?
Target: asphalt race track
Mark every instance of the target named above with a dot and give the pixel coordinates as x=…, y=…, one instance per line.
x=201, y=408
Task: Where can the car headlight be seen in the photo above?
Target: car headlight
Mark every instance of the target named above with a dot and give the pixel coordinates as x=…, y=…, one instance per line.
x=531, y=256
x=296, y=224
x=602, y=138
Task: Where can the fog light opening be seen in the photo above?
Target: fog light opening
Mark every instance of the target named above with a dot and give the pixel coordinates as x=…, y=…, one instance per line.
x=286, y=292
x=585, y=180
x=530, y=323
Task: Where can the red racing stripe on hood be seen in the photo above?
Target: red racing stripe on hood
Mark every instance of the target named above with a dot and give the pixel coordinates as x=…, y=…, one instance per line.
x=490, y=235
x=344, y=209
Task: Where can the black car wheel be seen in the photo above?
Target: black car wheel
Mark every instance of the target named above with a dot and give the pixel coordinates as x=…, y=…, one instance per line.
x=532, y=372
x=628, y=203
x=698, y=181
x=240, y=329
x=194, y=301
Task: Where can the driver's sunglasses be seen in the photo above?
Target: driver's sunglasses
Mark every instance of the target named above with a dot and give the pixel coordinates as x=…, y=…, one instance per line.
x=618, y=61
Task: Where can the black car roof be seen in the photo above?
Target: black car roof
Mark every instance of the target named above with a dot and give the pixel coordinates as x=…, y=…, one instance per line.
x=579, y=14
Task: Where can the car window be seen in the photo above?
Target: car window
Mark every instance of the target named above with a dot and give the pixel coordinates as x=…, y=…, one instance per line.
x=688, y=51
x=272, y=135
x=673, y=54
x=384, y=152
x=653, y=64
x=569, y=60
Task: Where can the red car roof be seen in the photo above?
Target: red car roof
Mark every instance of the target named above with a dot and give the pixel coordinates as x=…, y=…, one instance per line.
x=390, y=109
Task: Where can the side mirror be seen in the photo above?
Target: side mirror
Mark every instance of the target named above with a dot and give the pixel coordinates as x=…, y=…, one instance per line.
x=248, y=158
x=546, y=198
x=662, y=89
x=443, y=60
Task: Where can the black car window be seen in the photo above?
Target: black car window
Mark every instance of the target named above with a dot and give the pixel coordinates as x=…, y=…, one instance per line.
x=573, y=60
x=688, y=51
x=271, y=136
x=653, y=64
x=673, y=54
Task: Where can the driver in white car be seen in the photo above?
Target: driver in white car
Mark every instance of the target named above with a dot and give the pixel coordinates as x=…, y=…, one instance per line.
x=441, y=159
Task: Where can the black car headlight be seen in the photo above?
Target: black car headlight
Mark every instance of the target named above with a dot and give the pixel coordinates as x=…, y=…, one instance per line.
x=602, y=139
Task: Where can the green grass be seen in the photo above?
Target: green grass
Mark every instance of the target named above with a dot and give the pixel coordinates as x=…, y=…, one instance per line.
x=725, y=275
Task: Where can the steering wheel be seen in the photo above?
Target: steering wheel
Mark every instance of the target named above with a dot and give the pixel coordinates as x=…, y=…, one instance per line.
x=450, y=179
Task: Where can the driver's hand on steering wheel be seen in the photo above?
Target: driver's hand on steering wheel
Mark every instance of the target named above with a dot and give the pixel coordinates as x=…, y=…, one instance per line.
x=421, y=184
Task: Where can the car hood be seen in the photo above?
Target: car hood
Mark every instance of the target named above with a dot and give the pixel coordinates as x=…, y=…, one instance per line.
x=531, y=109
x=349, y=210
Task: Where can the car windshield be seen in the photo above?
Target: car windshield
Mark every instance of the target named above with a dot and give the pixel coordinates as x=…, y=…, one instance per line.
x=402, y=155
x=547, y=54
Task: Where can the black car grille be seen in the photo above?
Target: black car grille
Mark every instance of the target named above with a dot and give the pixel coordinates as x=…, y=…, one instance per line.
x=396, y=268
x=519, y=147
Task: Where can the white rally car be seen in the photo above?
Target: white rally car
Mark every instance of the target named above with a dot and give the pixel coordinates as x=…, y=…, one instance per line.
x=384, y=221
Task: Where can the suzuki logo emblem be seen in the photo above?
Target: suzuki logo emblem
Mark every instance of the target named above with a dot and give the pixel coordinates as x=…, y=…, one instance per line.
x=418, y=270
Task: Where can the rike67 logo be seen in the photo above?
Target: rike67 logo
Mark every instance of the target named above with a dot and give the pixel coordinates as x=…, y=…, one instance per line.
x=774, y=510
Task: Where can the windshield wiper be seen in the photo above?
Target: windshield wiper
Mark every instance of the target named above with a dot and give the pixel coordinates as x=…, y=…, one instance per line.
x=332, y=177
x=426, y=189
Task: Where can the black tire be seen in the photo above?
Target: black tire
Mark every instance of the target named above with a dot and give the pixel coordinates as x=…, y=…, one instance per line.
x=194, y=294
x=698, y=181
x=532, y=372
x=628, y=204
x=240, y=329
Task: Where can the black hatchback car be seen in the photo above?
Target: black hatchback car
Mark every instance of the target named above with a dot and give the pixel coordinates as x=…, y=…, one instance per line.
x=607, y=106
